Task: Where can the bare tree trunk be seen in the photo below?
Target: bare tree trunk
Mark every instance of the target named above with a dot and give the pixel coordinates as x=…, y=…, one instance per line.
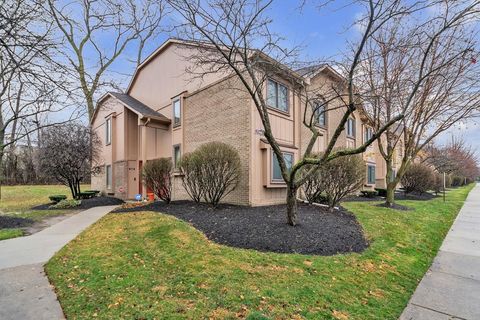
x=292, y=209
x=390, y=201
x=70, y=185
x=391, y=184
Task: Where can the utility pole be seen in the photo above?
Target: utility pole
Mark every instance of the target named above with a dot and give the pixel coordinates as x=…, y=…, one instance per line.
x=444, y=178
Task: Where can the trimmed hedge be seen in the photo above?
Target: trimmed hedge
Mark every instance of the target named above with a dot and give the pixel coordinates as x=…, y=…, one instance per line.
x=96, y=192
x=57, y=198
x=67, y=204
x=381, y=192
x=369, y=193
x=86, y=195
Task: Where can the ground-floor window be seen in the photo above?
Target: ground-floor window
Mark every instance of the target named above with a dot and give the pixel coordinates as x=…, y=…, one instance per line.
x=108, y=176
x=176, y=155
x=393, y=175
x=276, y=171
x=370, y=174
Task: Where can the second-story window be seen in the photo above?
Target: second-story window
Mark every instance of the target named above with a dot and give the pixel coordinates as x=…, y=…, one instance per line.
x=320, y=116
x=108, y=131
x=350, y=127
x=277, y=96
x=177, y=112
x=368, y=133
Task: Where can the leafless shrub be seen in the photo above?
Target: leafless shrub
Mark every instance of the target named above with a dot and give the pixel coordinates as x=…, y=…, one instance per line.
x=157, y=176
x=335, y=180
x=191, y=169
x=211, y=172
x=418, y=178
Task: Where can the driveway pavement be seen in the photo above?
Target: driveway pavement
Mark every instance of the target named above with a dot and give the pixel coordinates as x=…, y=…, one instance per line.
x=25, y=292
x=451, y=287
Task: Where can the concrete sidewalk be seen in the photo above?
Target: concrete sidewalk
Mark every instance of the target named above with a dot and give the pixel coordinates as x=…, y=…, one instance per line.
x=451, y=287
x=25, y=292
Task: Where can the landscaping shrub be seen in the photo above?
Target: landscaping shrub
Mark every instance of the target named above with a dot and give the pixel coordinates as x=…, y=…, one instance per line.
x=157, y=175
x=57, y=198
x=335, y=180
x=86, y=195
x=437, y=186
x=211, y=172
x=95, y=192
x=418, y=178
x=66, y=204
x=448, y=181
x=369, y=193
x=191, y=168
x=381, y=192
x=457, y=181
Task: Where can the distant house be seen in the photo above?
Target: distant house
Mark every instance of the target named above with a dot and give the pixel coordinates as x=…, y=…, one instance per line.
x=165, y=112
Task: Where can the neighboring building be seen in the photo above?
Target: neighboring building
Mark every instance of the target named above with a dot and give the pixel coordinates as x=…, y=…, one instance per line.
x=165, y=112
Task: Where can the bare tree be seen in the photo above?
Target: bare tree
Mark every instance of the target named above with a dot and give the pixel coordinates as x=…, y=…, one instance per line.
x=97, y=32
x=456, y=158
x=237, y=40
x=70, y=153
x=32, y=84
x=422, y=66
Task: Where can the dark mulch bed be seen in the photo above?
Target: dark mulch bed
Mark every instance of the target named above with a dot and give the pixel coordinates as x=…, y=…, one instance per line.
x=8, y=222
x=319, y=231
x=87, y=203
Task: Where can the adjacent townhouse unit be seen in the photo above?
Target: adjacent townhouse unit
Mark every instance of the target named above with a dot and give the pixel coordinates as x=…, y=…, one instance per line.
x=167, y=112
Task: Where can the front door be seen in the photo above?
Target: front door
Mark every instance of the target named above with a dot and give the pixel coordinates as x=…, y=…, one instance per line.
x=133, y=178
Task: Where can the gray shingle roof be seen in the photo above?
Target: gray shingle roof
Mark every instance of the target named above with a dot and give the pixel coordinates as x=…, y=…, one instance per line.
x=308, y=71
x=139, y=107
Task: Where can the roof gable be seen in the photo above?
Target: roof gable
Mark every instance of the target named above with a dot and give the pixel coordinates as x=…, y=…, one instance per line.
x=142, y=110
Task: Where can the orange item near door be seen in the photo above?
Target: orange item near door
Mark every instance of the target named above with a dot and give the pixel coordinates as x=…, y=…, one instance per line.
x=150, y=196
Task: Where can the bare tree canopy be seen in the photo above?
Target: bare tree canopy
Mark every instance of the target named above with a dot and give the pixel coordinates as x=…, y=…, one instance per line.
x=238, y=40
x=455, y=158
x=33, y=85
x=422, y=65
x=70, y=153
x=97, y=32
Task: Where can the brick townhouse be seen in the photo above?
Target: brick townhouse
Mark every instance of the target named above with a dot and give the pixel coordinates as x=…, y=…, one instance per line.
x=166, y=113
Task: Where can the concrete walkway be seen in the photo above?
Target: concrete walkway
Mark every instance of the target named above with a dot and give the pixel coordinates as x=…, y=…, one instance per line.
x=451, y=287
x=25, y=292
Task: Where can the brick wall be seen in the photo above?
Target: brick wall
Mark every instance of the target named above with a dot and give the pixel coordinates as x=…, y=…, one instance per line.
x=120, y=176
x=220, y=112
x=98, y=181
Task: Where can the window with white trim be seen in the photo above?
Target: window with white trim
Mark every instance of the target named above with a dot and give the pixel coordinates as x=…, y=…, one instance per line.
x=277, y=96
x=350, y=127
x=276, y=171
x=370, y=174
x=177, y=112
x=108, y=176
x=108, y=131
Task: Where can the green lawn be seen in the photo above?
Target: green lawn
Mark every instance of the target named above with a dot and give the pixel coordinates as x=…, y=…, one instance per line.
x=18, y=201
x=153, y=266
